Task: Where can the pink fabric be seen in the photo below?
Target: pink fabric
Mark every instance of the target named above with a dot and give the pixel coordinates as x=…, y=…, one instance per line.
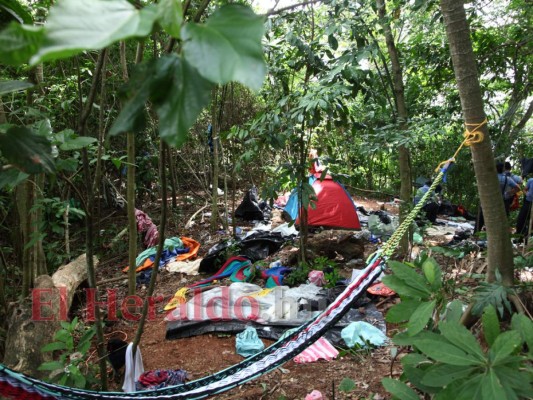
x=314, y=395
x=317, y=278
x=145, y=224
x=321, y=349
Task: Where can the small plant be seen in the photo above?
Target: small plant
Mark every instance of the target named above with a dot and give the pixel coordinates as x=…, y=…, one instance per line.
x=329, y=267
x=448, y=362
x=73, y=341
x=298, y=275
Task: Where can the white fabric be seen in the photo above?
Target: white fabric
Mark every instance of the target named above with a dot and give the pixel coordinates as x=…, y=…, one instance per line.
x=185, y=267
x=134, y=369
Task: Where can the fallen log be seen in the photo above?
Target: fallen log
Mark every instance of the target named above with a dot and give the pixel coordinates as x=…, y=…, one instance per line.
x=33, y=321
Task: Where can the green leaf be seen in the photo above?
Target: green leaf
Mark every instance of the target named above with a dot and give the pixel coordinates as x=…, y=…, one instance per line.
x=77, y=25
x=11, y=178
x=491, y=387
x=54, y=346
x=444, y=352
x=170, y=16
x=491, y=324
x=454, y=311
x=29, y=152
x=177, y=91
x=402, y=311
x=409, y=276
x=399, y=389
x=227, y=47
x=432, y=272
x=186, y=95
x=504, y=345
x=524, y=326
x=13, y=86
x=462, y=338
x=17, y=11
x=402, y=288
x=77, y=143
x=18, y=43
x=51, y=366
x=62, y=335
x=79, y=380
x=346, y=385
x=441, y=375
x=420, y=317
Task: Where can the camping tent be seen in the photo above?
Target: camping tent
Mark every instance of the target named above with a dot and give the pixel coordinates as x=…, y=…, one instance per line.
x=334, y=206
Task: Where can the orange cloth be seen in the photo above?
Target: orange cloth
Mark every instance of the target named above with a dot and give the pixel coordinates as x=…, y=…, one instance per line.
x=192, y=244
x=380, y=289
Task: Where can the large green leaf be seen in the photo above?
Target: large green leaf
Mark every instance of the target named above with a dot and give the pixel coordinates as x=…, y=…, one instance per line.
x=77, y=25
x=402, y=288
x=504, y=345
x=524, y=326
x=170, y=16
x=492, y=388
x=399, y=389
x=77, y=143
x=445, y=353
x=11, y=178
x=177, y=92
x=17, y=11
x=13, y=86
x=51, y=366
x=18, y=43
x=420, y=317
x=29, y=152
x=491, y=324
x=462, y=338
x=441, y=375
x=409, y=276
x=402, y=311
x=186, y=95
x=227, y=47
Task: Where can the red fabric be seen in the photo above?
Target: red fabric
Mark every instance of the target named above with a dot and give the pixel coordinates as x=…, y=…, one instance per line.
x=334, y=207
x=380, y=289
x=145, y=224
x=9, y=392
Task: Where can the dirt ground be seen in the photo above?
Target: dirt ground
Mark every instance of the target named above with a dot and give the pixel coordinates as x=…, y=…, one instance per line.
x=203, y=355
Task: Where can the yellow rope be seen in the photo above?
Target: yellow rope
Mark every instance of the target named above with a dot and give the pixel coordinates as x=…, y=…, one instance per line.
x=470, y=137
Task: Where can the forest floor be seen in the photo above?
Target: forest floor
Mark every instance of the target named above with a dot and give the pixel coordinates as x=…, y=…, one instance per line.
x=204, y=355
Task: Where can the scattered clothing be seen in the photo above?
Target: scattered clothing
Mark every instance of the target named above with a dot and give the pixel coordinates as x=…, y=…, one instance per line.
x=322, y=349
x=314, y=395
x=317, y=278
x=145, y=224
x=248, y=343
x=380, y=289
x=362, y=333
x=134, y=369
x=184, y=267
x=161, y=378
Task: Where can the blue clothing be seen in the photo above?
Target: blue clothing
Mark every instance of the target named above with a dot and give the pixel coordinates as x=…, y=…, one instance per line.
x=529, y=190
x=507, y=184
x=421, y=192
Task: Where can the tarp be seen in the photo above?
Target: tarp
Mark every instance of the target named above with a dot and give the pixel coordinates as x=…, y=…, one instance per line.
x=334, y=206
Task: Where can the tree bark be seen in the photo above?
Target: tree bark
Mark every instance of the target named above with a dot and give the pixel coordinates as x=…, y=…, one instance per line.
x=401, y=107
x=499, y=244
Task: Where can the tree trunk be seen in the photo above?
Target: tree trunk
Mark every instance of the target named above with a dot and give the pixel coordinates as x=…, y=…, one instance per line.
x=215, y=165
x=464, y=64
x=399, y=97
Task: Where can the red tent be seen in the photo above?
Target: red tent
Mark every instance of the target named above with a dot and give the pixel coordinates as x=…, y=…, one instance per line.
x=334, y=207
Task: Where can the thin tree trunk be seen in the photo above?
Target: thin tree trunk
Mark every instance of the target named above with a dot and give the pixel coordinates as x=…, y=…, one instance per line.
x=91, y=276
x=499, y=244
x=401, y=106
x=215, y=166
x=130, y=191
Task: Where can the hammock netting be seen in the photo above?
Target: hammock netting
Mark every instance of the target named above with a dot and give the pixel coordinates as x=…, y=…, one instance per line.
x=18, y=386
